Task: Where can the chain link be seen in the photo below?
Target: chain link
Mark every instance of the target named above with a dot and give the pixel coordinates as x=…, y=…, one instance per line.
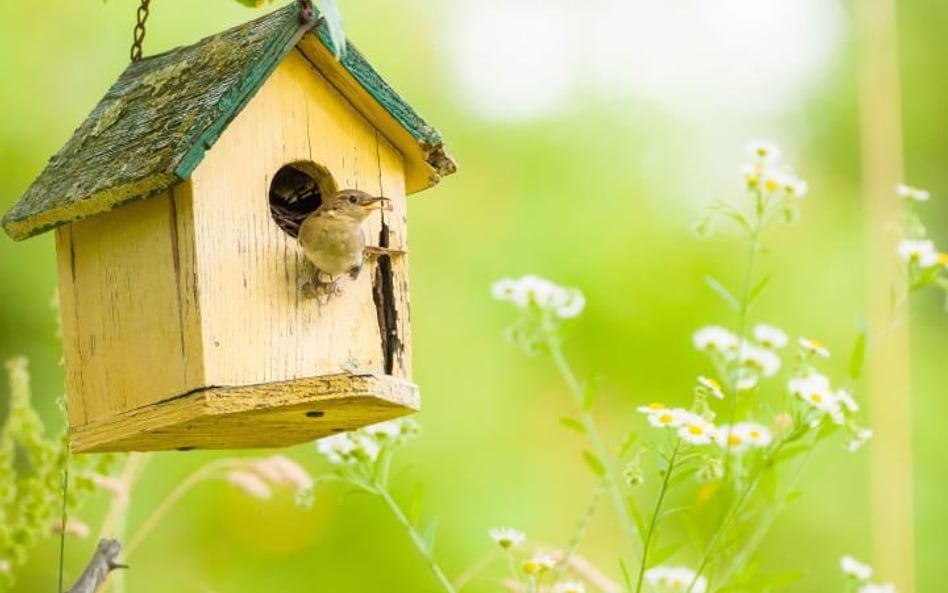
x=136, y=52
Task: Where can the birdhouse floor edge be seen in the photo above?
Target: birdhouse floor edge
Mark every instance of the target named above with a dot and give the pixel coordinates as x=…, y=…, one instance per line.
x=253, y=416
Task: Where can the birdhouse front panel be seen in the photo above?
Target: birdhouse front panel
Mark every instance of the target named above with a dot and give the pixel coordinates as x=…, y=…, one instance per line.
x=193, y=312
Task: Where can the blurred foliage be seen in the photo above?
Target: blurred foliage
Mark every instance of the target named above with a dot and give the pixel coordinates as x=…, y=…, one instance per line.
x=32, y=477
x=599, y=195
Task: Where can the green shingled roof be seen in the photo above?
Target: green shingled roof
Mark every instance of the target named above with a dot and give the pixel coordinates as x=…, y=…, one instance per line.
x=152, y=128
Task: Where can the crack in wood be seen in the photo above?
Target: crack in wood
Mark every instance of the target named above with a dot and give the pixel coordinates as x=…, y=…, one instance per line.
x=383, y=293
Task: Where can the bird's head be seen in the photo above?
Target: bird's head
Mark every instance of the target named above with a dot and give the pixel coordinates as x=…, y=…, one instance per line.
x=353, y=204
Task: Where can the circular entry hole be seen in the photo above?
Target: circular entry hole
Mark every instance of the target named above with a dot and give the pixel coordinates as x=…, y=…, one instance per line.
x=315, y=414
x=296, y=191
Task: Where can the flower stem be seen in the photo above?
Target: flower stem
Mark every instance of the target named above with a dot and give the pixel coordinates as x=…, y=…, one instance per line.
x=416, y=538
x=592, y=429
x=653, y=523
x=581, y=527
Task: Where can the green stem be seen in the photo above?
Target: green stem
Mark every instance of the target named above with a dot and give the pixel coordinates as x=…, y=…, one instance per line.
x=592, y=429
x=732, y=513
x=581, y=528
x=653, y=523
x=415, y=538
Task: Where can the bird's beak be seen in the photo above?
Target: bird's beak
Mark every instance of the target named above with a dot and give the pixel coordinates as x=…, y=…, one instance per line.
x=376, y=203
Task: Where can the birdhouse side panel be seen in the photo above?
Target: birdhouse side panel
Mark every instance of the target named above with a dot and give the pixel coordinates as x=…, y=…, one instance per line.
x=258, y=326
x=129, y=316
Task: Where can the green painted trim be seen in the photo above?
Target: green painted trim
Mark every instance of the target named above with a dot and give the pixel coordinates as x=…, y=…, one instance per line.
x=253, y=78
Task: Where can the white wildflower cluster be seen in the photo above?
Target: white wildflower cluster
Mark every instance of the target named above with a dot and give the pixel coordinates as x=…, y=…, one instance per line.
x=364, y=445
x=755, y=358
x=861, y=573
x=912, y=193
x=916, y=249
x=538, y=564
x=675, y=578
x=743, y=435
x=691, y=428
x=823, y=401
x=765, y=172
x=258, y=477
x=533, y=292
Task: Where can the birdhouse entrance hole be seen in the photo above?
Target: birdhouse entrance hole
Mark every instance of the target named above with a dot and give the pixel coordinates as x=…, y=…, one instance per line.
x=296, y=191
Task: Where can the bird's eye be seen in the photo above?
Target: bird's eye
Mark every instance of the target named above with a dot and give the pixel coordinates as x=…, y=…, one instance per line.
x=353, y=199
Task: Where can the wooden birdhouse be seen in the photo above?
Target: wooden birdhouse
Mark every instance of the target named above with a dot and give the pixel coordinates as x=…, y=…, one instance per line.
x=175, y=206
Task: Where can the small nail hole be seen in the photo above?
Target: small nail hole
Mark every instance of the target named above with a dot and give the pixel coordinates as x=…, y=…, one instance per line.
x=189, y=448
x=315, y=414
x=339, y=430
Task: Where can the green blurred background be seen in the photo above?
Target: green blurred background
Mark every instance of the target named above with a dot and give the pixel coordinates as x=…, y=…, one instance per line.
x=589, y=136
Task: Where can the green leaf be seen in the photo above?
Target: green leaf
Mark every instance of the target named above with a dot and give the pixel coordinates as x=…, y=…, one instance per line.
x=414, y=503
x=625, y=575
x=636, y=515
x=790, y=451
x=428, y=535
x=858, y=355
x=573, y=424
x=758, y=288
x=662, y=554
x=589, y=397
x=337, y=33
x=627, y=444
x=595, y=464
x=723, y=292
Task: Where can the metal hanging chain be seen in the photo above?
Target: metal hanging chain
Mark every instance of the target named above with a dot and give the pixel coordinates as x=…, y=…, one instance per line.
x=139, y=36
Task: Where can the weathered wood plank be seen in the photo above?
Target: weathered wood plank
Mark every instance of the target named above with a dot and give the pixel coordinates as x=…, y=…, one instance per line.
x=129, y=334
x=269, y=415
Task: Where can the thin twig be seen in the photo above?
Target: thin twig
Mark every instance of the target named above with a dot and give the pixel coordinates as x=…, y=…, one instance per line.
x=103, y=561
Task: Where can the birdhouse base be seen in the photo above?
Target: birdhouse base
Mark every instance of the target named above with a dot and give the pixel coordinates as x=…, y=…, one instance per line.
x=253, y=416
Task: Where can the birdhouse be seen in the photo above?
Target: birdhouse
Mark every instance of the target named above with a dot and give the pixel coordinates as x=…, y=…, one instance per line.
x=176, y=206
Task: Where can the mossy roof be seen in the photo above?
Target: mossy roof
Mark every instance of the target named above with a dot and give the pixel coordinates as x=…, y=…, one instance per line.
x=152, y=128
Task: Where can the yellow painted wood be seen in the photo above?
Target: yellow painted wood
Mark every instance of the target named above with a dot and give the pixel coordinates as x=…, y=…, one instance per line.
x=257, y=327
x=269, y=415
x=418, y=173
x=127, y=334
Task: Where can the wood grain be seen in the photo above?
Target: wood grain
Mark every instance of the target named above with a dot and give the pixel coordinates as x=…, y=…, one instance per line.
x=269, y=415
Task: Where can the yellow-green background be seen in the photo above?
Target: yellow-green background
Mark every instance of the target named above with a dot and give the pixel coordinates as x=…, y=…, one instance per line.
x=568, y=196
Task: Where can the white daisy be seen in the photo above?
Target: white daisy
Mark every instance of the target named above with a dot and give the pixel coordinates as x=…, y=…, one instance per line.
x=874, y=588
x=769, y=336
x=507, y=537
x=675, y=578
x=920, y=251
x=855, y=569
x=714, y=338
x=815, y=390
x=912, y=193
x=846, y=399
x=694, y=429
x=809, y=345
x=859, y=438
x=795, y=187
x=731, y=439
x=568, y=303
x=757, y=435
x=747, y=380
x=763, y=151
x=539, y=563
x=711, y=386
x=762, y=360
x=569, y=587
x=670, y=418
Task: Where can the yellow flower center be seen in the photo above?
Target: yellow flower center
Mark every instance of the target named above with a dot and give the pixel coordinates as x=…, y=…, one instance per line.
x=656, y=406
x=772, y=184
x=733, y=440
x=816, y=398
x=695, y=430
x=665, y=418
x=755, y=434
x=943, y=259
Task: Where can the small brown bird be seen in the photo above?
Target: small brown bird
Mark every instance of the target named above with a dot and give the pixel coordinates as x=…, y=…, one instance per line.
x=332, y=238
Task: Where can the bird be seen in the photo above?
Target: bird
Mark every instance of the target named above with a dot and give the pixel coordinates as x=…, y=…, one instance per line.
x=332, y=239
